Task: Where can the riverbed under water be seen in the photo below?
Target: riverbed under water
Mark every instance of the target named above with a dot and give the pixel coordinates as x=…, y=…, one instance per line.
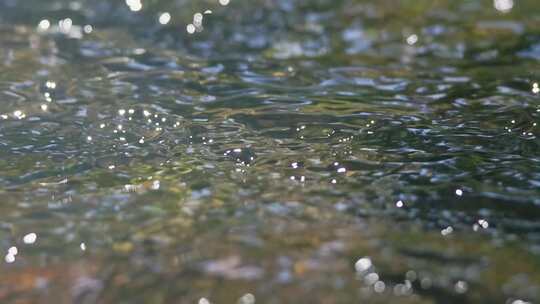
x=269, y=151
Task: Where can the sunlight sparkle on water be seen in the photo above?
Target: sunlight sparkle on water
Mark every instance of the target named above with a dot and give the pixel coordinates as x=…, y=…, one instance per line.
x=412, y=39
x=164, y=18
x=50, y=85
x=248, y=298
x=134, y=5
x=481, y=223
x=65, y=25
x=302, y=144
x=9, y=258
x=461, y=287
x=197, y=19
x=44, y=25
x=371, y=278
x=203, y=301
x=446, y=231
x=30, y=238
x=19, y=114
x=13, y=250
x=503, y=5
x=363, y=264
x=535, y=88
x=379, y=286
x=88, y=29
x=11, y=254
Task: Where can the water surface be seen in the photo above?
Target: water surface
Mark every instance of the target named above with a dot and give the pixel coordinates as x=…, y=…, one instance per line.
x=269, y=151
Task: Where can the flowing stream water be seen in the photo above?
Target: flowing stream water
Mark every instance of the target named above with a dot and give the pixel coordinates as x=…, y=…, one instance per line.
x=269, y=151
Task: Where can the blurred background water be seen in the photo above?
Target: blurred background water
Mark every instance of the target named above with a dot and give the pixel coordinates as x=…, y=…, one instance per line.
x=269, y=151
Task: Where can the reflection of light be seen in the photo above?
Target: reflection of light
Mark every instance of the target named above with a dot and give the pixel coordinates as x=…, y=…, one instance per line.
x=503, y=5
x=88, y=29
x=399, y=204
x=204, y=301
x=30, y=238
x=447, y=231
x=65, y=25
x=371, y=278
x=535, y=88
x=412, y=39
x=44, y=25
x=379, y=286
x=363, y=264
x=9, y=258
x=50, y=84
x=13, y=250
x=47, y=96
x=248, y=298
x=197, y=19
x=44, y=107
x=134, y=5
x=461, y=287
x=459, y=192
x=164, y=18
x=19, y=114
x=224, y=2
x=483, y=223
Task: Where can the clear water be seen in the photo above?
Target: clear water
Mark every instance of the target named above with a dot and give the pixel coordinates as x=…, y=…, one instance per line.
x=285, y=152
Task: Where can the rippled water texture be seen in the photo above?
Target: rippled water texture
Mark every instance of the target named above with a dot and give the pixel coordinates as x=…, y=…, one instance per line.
x=269, y=151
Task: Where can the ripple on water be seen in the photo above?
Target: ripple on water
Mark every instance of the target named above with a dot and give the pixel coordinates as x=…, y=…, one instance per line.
x=282, y=150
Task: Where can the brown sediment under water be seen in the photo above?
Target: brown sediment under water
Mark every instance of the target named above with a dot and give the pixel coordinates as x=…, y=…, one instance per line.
x=269, y=151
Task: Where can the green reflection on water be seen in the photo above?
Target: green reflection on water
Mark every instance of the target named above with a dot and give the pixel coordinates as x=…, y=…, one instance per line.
x=266, y=154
